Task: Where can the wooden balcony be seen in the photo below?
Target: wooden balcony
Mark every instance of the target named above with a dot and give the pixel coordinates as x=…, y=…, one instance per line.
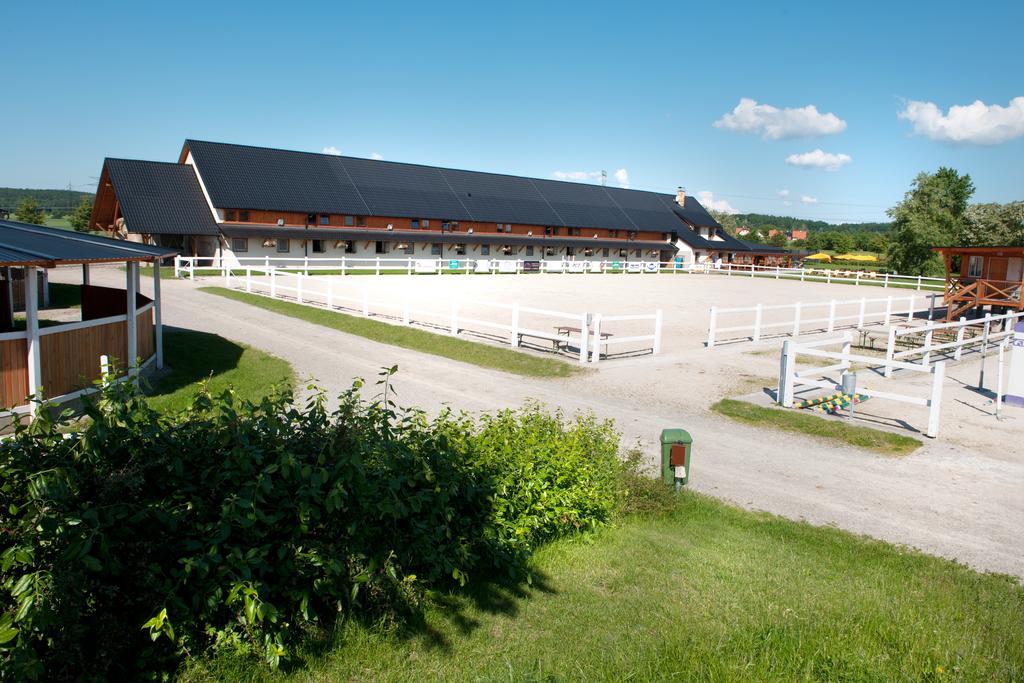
x=965, y=293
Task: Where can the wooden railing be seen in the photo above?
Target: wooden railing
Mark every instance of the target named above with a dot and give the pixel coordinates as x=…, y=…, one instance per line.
x=964, y=293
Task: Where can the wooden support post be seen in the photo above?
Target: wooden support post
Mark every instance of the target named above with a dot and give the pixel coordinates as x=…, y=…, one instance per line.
x=158, y=316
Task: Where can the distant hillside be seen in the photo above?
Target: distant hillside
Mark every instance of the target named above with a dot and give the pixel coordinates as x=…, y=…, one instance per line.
x=787, y=223
x=53, y=202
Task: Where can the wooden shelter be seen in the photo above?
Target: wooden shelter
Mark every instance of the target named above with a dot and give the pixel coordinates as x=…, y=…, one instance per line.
x=61, y=361
x=979, y=277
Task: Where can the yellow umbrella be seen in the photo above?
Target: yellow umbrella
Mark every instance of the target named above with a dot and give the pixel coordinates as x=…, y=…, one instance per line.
x=857, y=257
x=820, y=256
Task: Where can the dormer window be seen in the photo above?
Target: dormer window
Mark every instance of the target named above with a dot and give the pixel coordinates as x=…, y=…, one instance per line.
x=230, y=215
x=243, y=216
x=325, y=219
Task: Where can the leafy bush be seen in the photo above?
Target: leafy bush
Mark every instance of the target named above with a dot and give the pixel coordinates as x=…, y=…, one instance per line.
x=148, y=537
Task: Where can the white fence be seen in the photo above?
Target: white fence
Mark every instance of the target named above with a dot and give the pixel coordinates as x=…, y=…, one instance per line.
x=346, y=265
x=956, y=339
x=572, y=333
x=819, y=316
x=791, y=379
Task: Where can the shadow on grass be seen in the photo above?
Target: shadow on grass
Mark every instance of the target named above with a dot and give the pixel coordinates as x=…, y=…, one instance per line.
x=192, y=357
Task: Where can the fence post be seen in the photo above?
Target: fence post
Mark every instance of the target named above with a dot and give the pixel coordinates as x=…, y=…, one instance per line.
x=860, y=316
x=343, y=265
x=298, y=287
x=910, y=311
x=890, y=351
x=919, y=283
x=935, y=401
x=192, y=268
x=376, y=270
x=796, y=319
x=832, y=315
x=711, y=327
x=784, y=395
x=305, y=265
x=927, y=348
x=177, y=266
x=455, y=317
x=330, y=292
x=856, y=282
x=757, y=322
x=248, y=279
x=266, y=262
x=960, y=339
x=828, y=276
x=227, y=279
x=513, y=338
x=885, y=284
x=408, y=267
x=657, y=331
x=931, y=307
x=803, y=272
x=584, y=346
x=888, y=311
x=984, y=349
x=776, y=272
x=273, y=282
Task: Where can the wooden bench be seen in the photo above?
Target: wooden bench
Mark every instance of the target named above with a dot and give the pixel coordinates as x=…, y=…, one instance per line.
x=569, y=330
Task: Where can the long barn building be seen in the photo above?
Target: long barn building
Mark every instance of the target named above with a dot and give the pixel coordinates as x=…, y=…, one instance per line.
x=237, y=201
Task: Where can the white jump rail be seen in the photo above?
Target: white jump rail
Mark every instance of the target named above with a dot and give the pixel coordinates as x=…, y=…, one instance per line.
x=322, y=291
x=790, y=378
x=654, y=337
x=956, y=347
x=410, y=265
x=808, y=313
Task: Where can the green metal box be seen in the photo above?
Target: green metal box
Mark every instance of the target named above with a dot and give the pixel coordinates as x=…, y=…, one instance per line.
x=676, y=452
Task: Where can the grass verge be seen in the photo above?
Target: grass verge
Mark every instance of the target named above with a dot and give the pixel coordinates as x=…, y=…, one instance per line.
x=703, y=592
x=812, y=425
x=196, y=356
x=483, y=355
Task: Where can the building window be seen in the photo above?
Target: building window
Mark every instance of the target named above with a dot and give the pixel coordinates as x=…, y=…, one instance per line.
x=631, y=234
x=360, y=221
x=976, y=266
x=613, y=233
x=452, y=226
x=604, y=253
x=229, y=215
x=380, y=247
x=529, y=250
x=325, y=219
x=460, y=249
x=243, y=216
x=575, y=232
x=409, y=248
x=350, y=221
x=485, y=250
x=508, y=250
x=415, y=224
x=570, y=251
x=426, y=223
x=435, y=249
x=550, y=251
x=283, y=247
x=310, y=218
x=350, y=247
x=318, y=247
x=239, y=244
x=623, y=253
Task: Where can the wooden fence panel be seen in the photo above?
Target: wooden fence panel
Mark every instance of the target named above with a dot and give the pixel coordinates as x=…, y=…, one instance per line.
x=13, y=372
x=145, y=334
x=71, y=359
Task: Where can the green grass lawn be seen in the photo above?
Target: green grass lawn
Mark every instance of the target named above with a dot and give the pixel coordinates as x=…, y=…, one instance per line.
x=192, y=357
x=786, y=420
x=706, y=592
x=65, y=296
x=483, y=355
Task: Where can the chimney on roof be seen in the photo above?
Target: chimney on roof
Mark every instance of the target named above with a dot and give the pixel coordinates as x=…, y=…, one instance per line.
x=681, y=196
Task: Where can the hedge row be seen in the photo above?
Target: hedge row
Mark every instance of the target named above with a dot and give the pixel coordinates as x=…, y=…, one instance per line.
x=146, y=538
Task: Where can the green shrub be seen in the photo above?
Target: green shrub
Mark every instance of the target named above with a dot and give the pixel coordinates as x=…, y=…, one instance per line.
x=147, y=537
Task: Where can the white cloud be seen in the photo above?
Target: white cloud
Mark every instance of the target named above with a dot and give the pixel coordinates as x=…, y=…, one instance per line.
x=976, y=123
x=621, y=177
x=378, y=156
x=707, y=198
x=578, y=176
x=807, y=199
x=772, y=123
x=819, y=159
x=783, y=193
x=331, y=150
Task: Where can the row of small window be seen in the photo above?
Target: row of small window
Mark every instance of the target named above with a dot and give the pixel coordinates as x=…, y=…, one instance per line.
x=240, y=245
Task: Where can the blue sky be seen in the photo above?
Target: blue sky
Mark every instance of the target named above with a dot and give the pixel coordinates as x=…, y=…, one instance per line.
x=536, y=89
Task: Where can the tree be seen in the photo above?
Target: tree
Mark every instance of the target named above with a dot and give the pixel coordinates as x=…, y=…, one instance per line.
x=842, y=242
x=28, y=211
x=993, y=225
x=932, y=214
x=726, y=220
x=778, y=240
x=82, y=215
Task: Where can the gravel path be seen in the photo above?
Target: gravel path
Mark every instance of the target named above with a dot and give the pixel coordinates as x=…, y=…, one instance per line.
x=945, y=499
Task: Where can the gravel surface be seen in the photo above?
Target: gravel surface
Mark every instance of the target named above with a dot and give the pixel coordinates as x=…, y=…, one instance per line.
x=960, y=501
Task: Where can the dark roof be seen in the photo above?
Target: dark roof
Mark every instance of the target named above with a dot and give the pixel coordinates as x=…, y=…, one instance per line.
x=695, y=213
x=159, y=198
x=244, y=177
x=419, y=236
x=22, y=244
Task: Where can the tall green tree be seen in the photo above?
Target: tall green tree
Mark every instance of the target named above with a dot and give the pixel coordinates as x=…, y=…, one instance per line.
x=28, y=211
x=842, y=242
x=994, y=225
x=932, y=214
x=778, y=240
x=83, y=214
